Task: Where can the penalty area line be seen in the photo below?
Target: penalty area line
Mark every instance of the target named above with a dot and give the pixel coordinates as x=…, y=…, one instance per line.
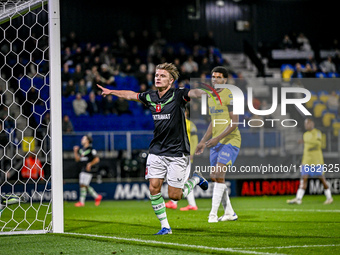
x=136, y=240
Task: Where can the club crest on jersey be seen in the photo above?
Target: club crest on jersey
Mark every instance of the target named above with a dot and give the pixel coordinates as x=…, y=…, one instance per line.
x=158, y=107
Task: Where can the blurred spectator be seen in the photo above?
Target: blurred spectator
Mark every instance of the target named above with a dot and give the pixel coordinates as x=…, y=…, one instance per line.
x=32, y=95
x=141, y=74
x=298, y=72
x=333, y=102
x=70, y=89
x=90, y=76
x=67, y=125
x=190, y=67
x=105, y=55
x=78, y=73
x=79, y=105
x=126, y=66
x=313, y=64
x=66, y=57
x=70, y=40
x=82, y=89
x=107, y=76
x=65, y=75
x=108, y=105
x=93, y=104
x=149, y=80
x=150, y=65
x=309, y=71
x=286, y=42
x=303, y=42
x=327, y=66
x=78, y=56
x=204, y=66
x=121, y=106
x=142, y=88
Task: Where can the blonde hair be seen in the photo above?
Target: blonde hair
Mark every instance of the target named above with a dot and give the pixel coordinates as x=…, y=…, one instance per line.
x=171, y=68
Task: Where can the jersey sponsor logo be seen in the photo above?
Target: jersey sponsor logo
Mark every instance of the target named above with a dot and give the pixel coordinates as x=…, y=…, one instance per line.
x=158, y=107
x=161, y=116
x=225, y=154
x=214, y=110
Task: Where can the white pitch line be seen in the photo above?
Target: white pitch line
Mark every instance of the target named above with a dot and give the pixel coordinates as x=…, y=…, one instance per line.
x=173, y=244
x=296, y=210
x=291, y=246
x=282, y=210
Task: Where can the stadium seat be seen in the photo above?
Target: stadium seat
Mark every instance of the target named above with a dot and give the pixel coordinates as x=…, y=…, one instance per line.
x=287, y=71
x=336, y=127
x=327, y=118
x=318, y=108
x=333, y=75
x=313, y=98
x=323, y=96
x=321, y=75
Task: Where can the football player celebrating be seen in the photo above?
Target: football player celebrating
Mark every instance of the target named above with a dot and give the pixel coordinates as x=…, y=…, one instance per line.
x=169, y=149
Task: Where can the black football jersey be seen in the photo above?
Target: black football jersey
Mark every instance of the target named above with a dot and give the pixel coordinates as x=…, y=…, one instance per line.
x=86, y=156
x=170, y=135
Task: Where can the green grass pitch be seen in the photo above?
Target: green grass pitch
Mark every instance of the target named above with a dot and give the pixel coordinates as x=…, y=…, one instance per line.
x=266, y=225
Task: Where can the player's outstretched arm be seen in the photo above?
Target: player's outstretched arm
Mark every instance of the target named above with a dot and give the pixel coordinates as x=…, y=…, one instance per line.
x=196, y=93
x=125, y=94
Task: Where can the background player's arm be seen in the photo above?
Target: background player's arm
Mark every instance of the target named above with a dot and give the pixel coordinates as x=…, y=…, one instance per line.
x=314, y=144
x=202, y=144
x=196, y=93
x=214, y=141
x=94, y=161
x=76, y=154
x=125, y=94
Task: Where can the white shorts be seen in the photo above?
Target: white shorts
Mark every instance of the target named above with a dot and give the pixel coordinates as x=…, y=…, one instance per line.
x=85, y=178
x=175, y=170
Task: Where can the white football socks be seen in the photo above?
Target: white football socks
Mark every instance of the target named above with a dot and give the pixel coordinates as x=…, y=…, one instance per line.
x=228, y=209
x=300, y=193
x=191, y=199
x=327, y=193
x=217, y=197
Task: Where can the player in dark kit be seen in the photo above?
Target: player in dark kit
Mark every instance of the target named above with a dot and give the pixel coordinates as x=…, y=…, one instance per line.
x=169, y=150
x=86, y=157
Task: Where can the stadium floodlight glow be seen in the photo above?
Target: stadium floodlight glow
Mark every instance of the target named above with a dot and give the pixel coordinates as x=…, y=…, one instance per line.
x=30, y=49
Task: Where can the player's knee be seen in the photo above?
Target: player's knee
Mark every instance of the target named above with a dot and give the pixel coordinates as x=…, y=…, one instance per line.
x=154, y=190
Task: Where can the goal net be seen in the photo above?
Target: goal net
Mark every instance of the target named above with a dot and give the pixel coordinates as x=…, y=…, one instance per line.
x=30, y=163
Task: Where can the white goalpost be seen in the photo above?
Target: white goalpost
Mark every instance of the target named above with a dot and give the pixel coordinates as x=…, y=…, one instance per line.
x=31, y=180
